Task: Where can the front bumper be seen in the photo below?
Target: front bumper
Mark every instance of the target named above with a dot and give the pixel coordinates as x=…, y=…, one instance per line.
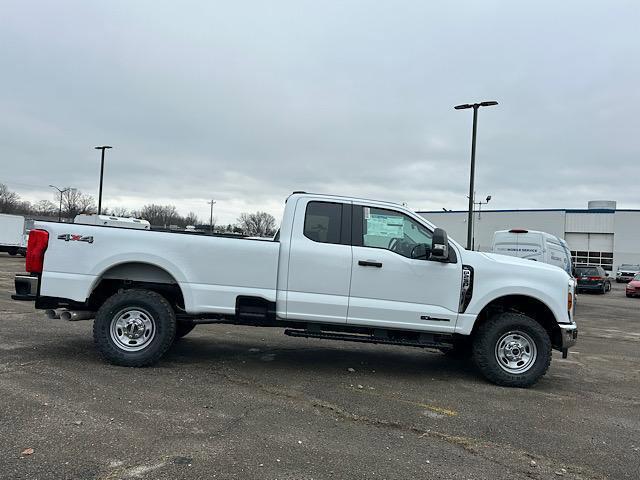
x=568, y=337
x=26, y=287
x=625, y=278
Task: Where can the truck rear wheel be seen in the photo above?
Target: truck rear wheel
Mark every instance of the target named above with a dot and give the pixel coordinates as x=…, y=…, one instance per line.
x=134, y=328
x=512, y=350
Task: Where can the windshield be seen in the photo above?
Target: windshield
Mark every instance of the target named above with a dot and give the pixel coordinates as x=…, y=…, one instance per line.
x=629, y=266
x=583, y=271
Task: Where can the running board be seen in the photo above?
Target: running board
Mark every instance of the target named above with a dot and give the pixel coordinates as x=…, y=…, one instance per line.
x=425, y=340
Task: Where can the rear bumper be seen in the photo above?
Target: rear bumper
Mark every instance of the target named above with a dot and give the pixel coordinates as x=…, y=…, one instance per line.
x=592, y=286
x=26, y=287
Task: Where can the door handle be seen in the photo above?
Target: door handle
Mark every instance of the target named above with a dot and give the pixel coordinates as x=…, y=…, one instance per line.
x=367, y=263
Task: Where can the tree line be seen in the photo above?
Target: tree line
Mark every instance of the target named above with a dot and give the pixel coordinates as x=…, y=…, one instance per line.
x=74, y=202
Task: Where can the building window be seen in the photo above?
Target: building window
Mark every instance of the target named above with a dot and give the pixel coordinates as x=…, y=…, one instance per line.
x=602, y=259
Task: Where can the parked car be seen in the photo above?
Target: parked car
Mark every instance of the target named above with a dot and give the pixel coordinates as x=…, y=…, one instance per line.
x=633, y=287
x=626, y=272
x=342, y=268
x=593, y=278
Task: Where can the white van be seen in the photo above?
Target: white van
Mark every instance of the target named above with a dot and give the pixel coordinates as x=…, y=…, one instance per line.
x=533, y=245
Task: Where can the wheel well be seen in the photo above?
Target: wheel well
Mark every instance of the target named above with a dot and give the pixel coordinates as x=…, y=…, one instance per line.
x=136, y=275
x=529, y=306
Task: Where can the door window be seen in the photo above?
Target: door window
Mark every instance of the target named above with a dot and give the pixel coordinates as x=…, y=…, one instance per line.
x=394, y=231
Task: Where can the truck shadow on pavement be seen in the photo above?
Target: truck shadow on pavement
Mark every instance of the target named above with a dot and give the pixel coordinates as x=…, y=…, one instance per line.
x=320, y=357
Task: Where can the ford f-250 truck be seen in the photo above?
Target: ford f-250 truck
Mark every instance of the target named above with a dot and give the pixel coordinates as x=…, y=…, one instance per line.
x=340, y=268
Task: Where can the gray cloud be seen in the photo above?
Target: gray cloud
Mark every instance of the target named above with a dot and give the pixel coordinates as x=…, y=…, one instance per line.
x=248, y=102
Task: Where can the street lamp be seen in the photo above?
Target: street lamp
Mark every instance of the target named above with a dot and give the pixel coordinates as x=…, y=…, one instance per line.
x=212, y=203
x=480, y=203
x=475, y=107
x=103, y=148
x=60, y=207
x=473, y=233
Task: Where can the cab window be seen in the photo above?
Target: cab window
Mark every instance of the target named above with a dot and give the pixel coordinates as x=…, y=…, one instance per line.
x=394, y=231
x=327, y=222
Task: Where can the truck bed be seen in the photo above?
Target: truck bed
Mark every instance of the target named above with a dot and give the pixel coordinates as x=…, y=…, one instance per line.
x=218, y=268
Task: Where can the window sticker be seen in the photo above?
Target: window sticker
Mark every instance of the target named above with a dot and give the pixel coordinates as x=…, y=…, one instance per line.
x=390, y=226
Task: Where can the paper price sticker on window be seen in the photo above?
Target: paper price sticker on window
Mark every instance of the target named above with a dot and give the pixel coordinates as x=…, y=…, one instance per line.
x=385, y=226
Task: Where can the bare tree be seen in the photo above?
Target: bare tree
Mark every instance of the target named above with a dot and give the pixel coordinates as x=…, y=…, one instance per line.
x=121, y=212
x=9, y=201
x=45, y=208
x=74, y=202
x=160, y=215
x=259, y=224
x=192, y=219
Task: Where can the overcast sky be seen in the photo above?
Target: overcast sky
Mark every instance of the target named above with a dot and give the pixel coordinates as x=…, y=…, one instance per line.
x=245, y=102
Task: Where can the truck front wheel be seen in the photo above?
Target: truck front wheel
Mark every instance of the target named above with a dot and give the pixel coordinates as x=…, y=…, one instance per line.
x=134, y=328
x=512, y=350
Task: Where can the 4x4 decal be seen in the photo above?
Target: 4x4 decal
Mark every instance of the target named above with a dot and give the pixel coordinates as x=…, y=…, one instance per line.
x=70, y=237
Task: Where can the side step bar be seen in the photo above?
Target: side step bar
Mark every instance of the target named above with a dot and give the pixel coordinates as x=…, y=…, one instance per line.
x=425, y=340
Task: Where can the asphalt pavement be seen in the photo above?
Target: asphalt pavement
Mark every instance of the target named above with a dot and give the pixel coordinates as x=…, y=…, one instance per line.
x=246, y=402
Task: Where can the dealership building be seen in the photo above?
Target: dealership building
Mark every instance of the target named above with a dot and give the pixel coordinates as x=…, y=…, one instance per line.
x=598, y=235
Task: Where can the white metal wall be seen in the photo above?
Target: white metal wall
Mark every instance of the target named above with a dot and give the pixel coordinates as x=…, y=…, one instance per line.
x=589, y=222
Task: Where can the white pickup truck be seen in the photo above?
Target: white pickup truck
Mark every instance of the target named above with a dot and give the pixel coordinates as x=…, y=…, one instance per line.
x=340, y=268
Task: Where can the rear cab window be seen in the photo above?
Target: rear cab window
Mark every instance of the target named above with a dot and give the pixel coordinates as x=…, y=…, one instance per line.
x=328, y=222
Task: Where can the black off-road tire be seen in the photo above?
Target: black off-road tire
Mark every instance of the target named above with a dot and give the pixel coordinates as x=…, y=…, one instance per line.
x=183, y=328
x=157, y=307
x=485, y=344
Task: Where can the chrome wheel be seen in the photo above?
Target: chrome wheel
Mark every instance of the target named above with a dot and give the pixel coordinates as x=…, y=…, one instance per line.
x=516, y=352
x=132, y=329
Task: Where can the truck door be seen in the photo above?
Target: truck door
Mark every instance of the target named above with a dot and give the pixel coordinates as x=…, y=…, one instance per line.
x=389, y=286
x=319, y=262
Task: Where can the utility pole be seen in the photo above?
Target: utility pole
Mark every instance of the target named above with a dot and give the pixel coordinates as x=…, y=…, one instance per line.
x=475, y=107
x=60, y=207
x=212, y=203
x=103, y=148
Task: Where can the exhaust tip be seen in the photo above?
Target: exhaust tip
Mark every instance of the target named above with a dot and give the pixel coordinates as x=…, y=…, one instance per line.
x=52, y=314
x=66, y=315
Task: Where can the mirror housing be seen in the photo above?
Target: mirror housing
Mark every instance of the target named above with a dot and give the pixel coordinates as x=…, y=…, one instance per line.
x=420, y=252
x=439, y=246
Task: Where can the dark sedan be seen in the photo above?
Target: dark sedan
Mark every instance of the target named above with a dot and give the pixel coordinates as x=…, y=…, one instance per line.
x=593, y=279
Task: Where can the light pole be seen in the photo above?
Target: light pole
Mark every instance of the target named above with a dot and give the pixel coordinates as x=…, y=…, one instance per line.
x=212, y=203
x=103, y=148
x=475, y=107
x=60, y=207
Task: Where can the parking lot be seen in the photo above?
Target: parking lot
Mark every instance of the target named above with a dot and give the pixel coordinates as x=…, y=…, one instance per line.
x=243, y=402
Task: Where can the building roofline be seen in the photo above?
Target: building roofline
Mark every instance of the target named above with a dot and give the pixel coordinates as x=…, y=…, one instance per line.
x=566, y=210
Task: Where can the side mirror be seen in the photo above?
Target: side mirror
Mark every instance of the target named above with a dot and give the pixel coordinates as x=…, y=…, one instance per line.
x=606, y=274
x=420, y=252
x=440, y=246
